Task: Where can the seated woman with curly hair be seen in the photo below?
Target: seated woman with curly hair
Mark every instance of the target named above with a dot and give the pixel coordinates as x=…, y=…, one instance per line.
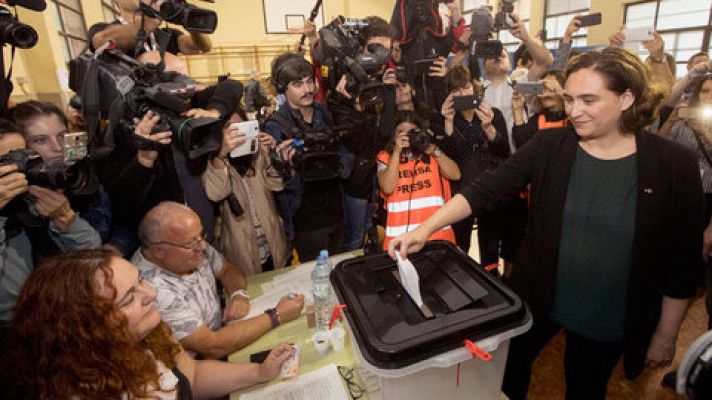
x=85, y=327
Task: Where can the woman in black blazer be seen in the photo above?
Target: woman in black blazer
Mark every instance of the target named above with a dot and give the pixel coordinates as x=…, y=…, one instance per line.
x=612, y=249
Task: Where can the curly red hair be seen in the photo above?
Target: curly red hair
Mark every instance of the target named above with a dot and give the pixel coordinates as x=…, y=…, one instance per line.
x=70, y=341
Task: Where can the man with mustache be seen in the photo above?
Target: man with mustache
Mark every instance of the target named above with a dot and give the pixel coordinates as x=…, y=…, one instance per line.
x=312, y=209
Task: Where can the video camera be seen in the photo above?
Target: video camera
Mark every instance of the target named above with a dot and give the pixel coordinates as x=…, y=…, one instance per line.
x=317, y=153
x=73, y=174
x=116, y=87
x=16, y=34
x=192, y=18
x=484, y=26
x=342, y=49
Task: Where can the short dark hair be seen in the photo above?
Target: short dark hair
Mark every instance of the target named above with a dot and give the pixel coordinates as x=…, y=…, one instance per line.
x=24, y=113
x=377, y=26
x=7, y=126
x=522, y=54
x=458, y=77
x=289, y=67
x=699, y=53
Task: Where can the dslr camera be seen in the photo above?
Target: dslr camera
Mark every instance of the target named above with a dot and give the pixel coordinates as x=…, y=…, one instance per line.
x=342, y=45
x=73, y=174
x=180, y=12
x=420, y=139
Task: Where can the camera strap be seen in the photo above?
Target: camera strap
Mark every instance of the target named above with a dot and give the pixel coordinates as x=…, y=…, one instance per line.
x=6, y=83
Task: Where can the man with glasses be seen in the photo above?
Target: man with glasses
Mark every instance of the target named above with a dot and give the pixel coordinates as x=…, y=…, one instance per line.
x=177, y=261
x=312, y=210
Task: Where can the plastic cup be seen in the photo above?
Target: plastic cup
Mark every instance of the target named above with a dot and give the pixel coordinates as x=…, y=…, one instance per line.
x=337, y=336
x=321, y=342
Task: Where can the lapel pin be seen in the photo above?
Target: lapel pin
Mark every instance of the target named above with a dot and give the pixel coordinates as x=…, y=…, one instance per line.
x=648, y=190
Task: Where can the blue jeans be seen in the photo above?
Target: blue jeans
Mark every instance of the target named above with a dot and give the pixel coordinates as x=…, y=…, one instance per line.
x=357, y=220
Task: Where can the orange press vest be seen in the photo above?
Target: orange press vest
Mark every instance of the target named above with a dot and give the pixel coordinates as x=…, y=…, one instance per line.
x=421, y=190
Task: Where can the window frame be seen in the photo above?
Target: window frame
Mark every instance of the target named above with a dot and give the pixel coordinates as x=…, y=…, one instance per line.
x=554, y=40
x=108, y=5
x=706, y=29
x=63, y=32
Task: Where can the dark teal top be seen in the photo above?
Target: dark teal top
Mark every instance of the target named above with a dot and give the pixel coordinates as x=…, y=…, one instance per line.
x=596, y=246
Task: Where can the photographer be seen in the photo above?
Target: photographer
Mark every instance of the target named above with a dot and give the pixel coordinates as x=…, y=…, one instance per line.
x=44, y=126
x=251, y=234
x=415, y=173
x=148, y=167
x=255, y=95
x=480, y=136
x=124, y=32
x=498, y=90
x=73, y=113
x=24, y=228
x=424, y=30
x=312, y=210
x=548, y=107
x=368, y=131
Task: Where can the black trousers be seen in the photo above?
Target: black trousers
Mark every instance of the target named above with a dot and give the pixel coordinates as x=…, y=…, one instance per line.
x=588, y=363
x=310, y=243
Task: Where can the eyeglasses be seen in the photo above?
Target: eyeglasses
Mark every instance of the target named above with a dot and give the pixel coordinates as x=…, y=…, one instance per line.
x=355, y=390
x=193, y=245
x=298, y=83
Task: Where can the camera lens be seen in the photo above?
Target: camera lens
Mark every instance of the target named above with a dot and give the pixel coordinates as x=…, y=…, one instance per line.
x=17, y=34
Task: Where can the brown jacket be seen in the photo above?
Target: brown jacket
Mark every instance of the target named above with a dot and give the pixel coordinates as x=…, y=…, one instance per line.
x=237, y=238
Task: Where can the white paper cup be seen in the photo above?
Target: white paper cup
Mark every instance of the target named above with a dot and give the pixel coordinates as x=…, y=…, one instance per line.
x=321, y=342
x=337, y=336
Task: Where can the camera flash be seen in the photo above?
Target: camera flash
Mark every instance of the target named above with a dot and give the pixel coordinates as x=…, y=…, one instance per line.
x=707, y=113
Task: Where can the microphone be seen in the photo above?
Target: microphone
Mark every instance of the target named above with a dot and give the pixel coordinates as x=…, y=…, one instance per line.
x=35, y=5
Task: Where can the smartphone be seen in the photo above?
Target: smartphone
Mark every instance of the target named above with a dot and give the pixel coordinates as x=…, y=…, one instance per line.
x=258, y=358
x=639, y=34
x=423, y=66
x=488, y=49
x=75, y=146
x=529, y=88
x=251, y=129
x=590, y=19
x=461, y=103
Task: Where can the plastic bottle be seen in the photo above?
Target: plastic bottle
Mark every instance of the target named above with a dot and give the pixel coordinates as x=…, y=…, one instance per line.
x=323, y=295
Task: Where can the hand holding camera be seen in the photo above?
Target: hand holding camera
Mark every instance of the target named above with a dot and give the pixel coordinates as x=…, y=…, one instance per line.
x=573, y=27
x=53, y=205
x=448, y=108
x=12, y=184
x=402, y=142
x=143, y=130
x=438, y=68
x=517, y=28
x=655, y=47
x=232, y=138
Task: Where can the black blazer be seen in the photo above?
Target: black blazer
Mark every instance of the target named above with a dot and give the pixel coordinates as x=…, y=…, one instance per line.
x=667, y=241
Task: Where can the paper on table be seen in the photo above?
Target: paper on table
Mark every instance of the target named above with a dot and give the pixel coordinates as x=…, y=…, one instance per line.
x=258, y=305
x=322, y=384
x=409, y=279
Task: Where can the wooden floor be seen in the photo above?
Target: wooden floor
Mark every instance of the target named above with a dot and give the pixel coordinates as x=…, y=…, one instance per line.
x=548, y=374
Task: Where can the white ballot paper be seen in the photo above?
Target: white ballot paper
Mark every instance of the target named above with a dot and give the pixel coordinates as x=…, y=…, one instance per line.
x=323, y=384
x=409, y=279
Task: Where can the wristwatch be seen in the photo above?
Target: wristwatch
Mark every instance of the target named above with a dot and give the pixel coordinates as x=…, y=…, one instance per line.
x=273, y=316
x=437, y=152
